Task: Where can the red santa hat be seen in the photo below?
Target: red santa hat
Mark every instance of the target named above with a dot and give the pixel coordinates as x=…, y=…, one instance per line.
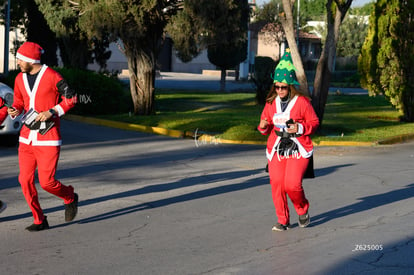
x=29, y=52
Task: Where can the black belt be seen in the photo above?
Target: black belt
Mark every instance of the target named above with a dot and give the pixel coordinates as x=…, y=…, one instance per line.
x=286, y=134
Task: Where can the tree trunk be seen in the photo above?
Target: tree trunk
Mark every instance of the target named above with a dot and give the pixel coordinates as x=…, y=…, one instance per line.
x=321, y=85
x=223, y=80
x=288, y=27
x=325, y=65
x=408, y=104
x=142, y=80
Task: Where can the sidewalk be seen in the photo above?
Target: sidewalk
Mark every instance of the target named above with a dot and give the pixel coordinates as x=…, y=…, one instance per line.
x=186, y=81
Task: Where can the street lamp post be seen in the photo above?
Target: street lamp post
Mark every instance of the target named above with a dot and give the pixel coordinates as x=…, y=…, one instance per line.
x=6, y=41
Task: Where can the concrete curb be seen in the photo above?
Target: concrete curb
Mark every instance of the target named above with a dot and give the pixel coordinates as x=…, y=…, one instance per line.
x=201, y=138
x=345, y=143
x=128, y=126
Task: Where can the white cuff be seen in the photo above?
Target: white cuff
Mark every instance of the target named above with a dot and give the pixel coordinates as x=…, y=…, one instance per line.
x=59, y=109
x=300, y=129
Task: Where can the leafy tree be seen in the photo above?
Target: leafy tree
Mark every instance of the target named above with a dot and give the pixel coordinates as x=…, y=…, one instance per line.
x=269, y=12
x=387, y=56
x=286, y=19
x=273, y=33
x=352, y=36
x=312, y=10
x=101, y=53
x=264, y=67
x=336, y=11
x=35, y=28
x=63, y=18
x=185, y=34
x=309, y=10
x=227, y=36
x=366, y=9
x=217, y=25
x=272, y=28
x=39, y=32
x=139, y=25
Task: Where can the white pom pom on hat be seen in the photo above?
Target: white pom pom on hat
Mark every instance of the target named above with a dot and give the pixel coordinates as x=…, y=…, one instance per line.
x=30, y=52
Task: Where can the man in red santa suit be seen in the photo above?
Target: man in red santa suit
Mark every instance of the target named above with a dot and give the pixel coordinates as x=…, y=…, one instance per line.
x=44, y=94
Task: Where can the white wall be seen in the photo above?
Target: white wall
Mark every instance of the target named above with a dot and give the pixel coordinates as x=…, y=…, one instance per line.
x=197, y=65
x=12, y=57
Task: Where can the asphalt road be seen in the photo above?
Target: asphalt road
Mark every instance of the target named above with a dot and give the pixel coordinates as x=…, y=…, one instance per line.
x=158, y=205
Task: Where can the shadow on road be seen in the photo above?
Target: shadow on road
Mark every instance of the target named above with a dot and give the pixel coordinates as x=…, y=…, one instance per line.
x=203, y=179
x=364, y=204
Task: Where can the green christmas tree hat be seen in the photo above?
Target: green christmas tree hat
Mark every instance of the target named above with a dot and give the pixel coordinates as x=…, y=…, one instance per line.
x=285, y=71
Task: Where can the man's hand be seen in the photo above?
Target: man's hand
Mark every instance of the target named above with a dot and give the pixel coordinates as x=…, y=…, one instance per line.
x=12, y=111
x=44, y=116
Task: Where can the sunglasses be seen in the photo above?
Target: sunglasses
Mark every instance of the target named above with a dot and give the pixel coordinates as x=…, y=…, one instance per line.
x=281, y=87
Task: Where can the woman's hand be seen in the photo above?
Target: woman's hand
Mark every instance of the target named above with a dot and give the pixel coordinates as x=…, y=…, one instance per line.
x=263, y=123
x=293, y=128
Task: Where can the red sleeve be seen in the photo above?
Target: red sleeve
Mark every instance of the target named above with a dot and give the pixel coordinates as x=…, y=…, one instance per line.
x=3, y=113
x=267, y=114
x=18, y=103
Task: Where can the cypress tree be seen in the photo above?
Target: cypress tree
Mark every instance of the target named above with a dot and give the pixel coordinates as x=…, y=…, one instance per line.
x=386, y=58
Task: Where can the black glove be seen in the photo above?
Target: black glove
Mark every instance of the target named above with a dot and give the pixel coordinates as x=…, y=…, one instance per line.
x=6, y=101
x=64, y=89
x=290, y=121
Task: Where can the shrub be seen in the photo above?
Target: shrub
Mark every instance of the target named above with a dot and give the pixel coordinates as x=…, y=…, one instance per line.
x=97, y=94
x=264, y=67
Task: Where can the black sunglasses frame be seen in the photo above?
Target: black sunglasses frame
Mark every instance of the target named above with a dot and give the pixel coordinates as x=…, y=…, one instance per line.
x=281, y=87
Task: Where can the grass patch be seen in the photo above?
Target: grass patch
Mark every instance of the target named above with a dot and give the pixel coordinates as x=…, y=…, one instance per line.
x=235, y=116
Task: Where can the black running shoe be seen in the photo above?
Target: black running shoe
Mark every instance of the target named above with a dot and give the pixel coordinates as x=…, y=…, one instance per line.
x=71, y=209
x=304, y=220
x=280, y=227
x=39, y=227
x=3, y=206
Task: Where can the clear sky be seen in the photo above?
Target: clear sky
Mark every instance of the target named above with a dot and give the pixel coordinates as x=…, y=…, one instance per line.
x=355, y=3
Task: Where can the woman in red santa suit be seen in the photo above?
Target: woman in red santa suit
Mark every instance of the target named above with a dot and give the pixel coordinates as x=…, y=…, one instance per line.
x=289, y=120
x=43, y=95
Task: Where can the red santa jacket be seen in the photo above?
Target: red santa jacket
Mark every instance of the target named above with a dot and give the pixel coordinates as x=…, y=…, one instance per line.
x=300, y=110
x=3, y=112
x=42, y=97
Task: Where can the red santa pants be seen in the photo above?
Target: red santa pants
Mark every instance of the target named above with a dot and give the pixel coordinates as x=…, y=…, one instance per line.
x=286, y=176
x=46, y=159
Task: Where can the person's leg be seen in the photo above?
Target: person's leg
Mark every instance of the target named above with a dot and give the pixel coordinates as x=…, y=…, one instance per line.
x=27, y=165
x=277, y=179
x=47, y=160
x=295, y=169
